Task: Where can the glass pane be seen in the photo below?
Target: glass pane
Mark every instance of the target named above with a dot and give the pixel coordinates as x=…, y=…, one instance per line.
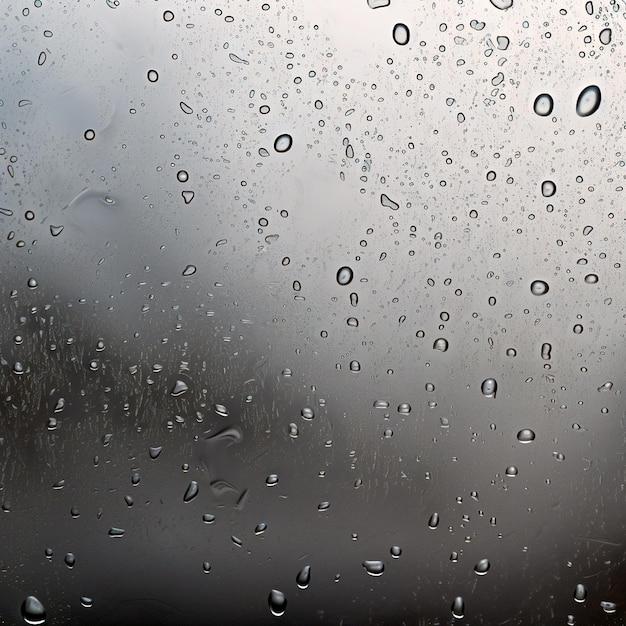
x=312, y=312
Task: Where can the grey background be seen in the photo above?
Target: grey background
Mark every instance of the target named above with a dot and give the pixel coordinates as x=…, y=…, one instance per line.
x=422, y=123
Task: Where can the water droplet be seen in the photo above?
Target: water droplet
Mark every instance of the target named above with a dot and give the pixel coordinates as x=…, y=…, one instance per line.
x=543, y=104
x=86, y=602
x=374, y=568
x=548, y=188
x=355, y=366
x=345, y=275
x=608, y=607
x=395, y=551
x=55, y=231
x=307, y=413
x=189, y=270
x=208, y=518
x=168, y=16
x=303, y=579
x=578, y=329
x=433, y=522
x=206, y=567
x=188, y=196
x=580, y=593
x=605, y=36
x=591, y=279
x=153, y=76
x=283, y=143
x=607, y=386
x=33, y=611
x=440, y=344
x=353, y=321
x=271, y=480
x=323, y=506
x=180, y=387
x=482, y=567
x=70, y=560
x=539, y=287
x=546, y=351
x=404, y=408
x=387, y=202
x=90, y=134
x=401, y=34
x=458, y=606
x=277, y=602
x=293, y=431
x=185, y=108
x=511, y=352
x=378, y=4
x=192, y=491
x=155, y=451
x=511, y=470
x=588, y=101
x=32, y=283
x=489, y=387
x=526, y=435
x=116, y=532
x=18, y=368
x=221, y=410
x=182, y=176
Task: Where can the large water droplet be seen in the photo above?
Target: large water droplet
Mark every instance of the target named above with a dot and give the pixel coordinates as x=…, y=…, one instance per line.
x=307, y=413
x=404, y=408
x=511, y=470
x=374, y=568
x=179, y=388
x=283, y=142
x=395, y=551
x=458, y=606
x=539, y=287
x=548, y=188
x=401, y=34
x=608, y=607
x=580, y=593
x=482, y=567
x=526, y=435
x=277, y=602
x=189, y=270
x=543, y=104
x=588, y=101
x=345, y=275
x=271, y=480
x=440, y=344
x=355, y=366
x=591, y=279
x=433, y=522
x=191, y=492
x=489, y=387
x=546, y=351
x=70, y=560
x=303, y=578
x=33, y=611
x=605, y=36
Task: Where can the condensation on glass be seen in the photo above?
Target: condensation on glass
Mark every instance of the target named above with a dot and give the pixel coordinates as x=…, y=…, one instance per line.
x=312, y=312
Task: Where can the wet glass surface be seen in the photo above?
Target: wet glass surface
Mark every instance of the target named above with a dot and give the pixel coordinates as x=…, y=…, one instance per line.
x=312, y=312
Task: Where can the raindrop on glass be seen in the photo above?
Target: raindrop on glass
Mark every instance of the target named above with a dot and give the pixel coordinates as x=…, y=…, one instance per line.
x=33, y=611
x=283, y=143
x=277, y=602
x=543, y=104
x=303, y=578
x=539, y=287
x=526, y=435
x=401, y=34
x=374, y=568
x=345, y=275
x=588, y=101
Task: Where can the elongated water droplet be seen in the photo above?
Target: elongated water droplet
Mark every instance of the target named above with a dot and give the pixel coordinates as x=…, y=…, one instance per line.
x=401, y=34
x=458, y=606
x=283, y=143
x=33, y=611
x=539, y=287
x=526, y=435
x=189, y=270
x=179, y=388
x=580, y=593
x=588, y=101
x=543, y=104
x=482, y=567
x=86, y=601
x=608, y=607
x=345, y=275
x=303, y=579
x=277, y=602
x=433, y=522
x=546, y=351
x=387, y=202
x=192, y=491
x=374, y=568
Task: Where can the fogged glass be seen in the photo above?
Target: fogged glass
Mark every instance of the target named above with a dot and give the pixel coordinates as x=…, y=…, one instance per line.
x=312, y=312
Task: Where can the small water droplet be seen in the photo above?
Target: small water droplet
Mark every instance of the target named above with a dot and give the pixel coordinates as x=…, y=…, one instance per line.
x=511, y=470
x=374, y=568
x=189, y=270
x=55, y=231
x=168, y=16
x=546, y=351
x=591, y=279
x=283, y=142
x=86, y=602
x=543, y=104
x=440, y=344
x=355, y=366
x=345, y=275
x=192, y=491
x=271, y=480
x=153, y=76
x=188, y=196
x=458, y=606
x=539, y=287
x=116, y=532
x=548, y=188
x=32, y=283
x=33, y=611
x=401, y=34
x=208, y=518
x=277, y=602
x=395, y=551
x=482, y=567
x=303, y=579
x=378, y=4
x=323, y=506
x=578, y=329
x=404, y=408
x=605, y=36
x=70, y=560
x=293, y=431
x=526, y=435
x=608, y=607
x=489, y=387
x=307, y=413
x=206, y=567
x=433, y=522
x=588, y=101
x=155, y=451
x=90, y=134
